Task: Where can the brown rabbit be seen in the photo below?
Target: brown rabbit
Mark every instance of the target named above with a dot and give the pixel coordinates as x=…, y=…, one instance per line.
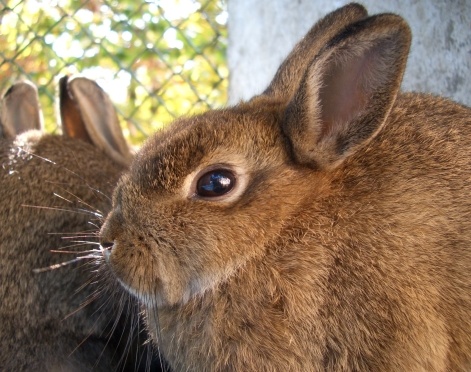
x=323, y=225
x=53, y=193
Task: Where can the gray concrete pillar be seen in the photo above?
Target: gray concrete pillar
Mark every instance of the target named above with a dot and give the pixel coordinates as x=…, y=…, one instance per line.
x=262, y=33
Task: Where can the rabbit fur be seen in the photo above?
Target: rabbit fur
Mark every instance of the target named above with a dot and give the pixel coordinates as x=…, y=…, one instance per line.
x=324, y=225
x=54, y=188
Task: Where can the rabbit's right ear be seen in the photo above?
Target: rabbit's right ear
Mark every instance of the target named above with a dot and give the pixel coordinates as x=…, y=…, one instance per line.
x=290, y=73
x=87, y=113
x=347, y=91
x=20, y=110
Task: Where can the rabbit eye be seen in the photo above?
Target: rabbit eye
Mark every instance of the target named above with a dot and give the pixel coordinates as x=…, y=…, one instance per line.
x=219, y=182
x=215, y=183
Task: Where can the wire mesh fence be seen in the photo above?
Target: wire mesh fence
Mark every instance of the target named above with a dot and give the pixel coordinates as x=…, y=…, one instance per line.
x=156, y=59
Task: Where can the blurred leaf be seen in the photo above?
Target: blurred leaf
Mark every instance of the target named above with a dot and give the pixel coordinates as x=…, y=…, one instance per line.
x=157, y=60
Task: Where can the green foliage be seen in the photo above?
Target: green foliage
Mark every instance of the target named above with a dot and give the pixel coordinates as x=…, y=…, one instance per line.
x=156, y=59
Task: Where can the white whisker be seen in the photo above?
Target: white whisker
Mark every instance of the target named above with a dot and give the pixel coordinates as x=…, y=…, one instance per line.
x=61, y=209
x=58, y=266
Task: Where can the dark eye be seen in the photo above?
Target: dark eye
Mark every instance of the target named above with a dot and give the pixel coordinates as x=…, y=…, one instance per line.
x=215, y=183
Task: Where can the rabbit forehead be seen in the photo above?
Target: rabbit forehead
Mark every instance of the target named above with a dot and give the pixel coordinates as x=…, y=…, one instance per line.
x=238, y=136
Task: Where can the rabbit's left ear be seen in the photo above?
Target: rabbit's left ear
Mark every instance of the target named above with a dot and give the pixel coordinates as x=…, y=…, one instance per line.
x=290, y=73
x=87, y=113
x=347, y=91
x=20, y=110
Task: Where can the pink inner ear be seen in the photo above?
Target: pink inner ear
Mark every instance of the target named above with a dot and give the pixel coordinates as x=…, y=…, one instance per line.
x=343, y=95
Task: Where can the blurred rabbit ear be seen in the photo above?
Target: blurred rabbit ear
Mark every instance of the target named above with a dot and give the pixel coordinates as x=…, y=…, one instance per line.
x=290, y=73
x=347, y=91
x=20, y=110
x=88, y=114
x=71, y=117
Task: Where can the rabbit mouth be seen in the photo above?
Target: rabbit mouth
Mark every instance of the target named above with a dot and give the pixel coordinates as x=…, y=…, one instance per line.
x=146, y=282
x=156, y=291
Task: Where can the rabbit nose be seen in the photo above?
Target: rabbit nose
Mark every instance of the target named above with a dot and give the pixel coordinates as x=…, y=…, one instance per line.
x=106, y=248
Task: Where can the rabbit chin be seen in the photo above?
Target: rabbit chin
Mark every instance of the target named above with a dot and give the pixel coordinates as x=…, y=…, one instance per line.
x=155, y=300
x=177, y=294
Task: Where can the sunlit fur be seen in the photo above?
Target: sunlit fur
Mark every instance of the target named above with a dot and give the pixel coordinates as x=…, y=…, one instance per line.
x=348, y=249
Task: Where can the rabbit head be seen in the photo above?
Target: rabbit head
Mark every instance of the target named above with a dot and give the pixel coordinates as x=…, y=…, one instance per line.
x=55, y=190
x=320, y=226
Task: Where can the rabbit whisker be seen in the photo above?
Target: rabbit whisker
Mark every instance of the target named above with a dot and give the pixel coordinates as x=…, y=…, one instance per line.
x=79, y=242
x=70, y=252
x=127, y=345
x=81, y=201
x=114, y=326
x=72, y=234
x=62, y=197
x=132, y=317
x=84, y=286
x=91, y=299
x=92, y=231
x=94, y=225
x=97, y=191
x=61, y=209
x=38, y=156
x=58, y=266
x=81, y=245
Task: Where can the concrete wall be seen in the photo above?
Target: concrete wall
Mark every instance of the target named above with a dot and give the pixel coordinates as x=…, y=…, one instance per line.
x=262, y=33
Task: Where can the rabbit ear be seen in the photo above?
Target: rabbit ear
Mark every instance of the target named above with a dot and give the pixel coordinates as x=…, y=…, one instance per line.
x=20, y=110
x=290, y=73
x=347, y=91
x=88, y=114
x=71, y=117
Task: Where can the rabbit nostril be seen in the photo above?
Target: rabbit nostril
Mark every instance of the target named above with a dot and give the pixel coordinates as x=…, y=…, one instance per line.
x=107, y=245
x=106, y=248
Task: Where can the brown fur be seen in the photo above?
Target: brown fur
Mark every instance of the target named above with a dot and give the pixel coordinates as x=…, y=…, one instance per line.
x=53, y=190
x=345, y=245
